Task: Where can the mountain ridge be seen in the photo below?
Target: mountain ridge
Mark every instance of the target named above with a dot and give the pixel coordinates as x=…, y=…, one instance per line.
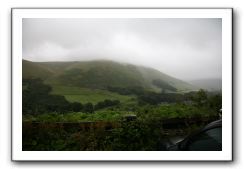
x=99, y=74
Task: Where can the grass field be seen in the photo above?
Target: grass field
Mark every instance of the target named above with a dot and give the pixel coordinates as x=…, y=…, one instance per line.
x=84, y=95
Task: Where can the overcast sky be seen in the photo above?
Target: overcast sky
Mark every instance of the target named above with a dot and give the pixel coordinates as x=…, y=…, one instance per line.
x=183, y=48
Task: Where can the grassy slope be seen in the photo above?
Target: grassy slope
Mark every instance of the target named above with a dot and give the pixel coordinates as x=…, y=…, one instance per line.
x=33, y=70
x=49, y=71
x=83, y=81
x=150, y=74
x=84, y=95
x=99, y=74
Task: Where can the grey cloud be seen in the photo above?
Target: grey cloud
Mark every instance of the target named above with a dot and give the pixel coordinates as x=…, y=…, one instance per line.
x=183, y=48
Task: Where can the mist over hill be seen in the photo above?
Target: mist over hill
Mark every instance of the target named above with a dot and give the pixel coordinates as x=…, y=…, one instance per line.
x=185, y=48
x=211, y=84
x=100, y=74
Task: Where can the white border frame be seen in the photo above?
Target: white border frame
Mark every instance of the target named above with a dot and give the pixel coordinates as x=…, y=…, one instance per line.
x=19, y=155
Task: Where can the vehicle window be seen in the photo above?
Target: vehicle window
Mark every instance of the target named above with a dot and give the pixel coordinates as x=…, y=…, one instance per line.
x=210, y=140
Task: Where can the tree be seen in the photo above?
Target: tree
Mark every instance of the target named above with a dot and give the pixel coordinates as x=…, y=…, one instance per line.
x=200, y=98
x=76, y=107
x=215, y=102
x=106, y=103
x=55, y=103
x=37, y=98
x=88, y=108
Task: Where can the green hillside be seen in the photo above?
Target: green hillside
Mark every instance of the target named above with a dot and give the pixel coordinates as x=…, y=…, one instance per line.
x=99, y=75
x=85, y=95
x=150, y=75
x=34, y=70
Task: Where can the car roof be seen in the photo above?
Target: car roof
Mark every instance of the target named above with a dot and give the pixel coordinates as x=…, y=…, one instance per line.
x=217, y=123
x=214, y=124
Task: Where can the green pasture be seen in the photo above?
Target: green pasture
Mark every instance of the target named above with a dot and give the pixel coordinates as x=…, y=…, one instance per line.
x=85, y=95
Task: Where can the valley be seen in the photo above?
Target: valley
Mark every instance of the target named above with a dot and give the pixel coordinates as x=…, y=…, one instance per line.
x=105, y=105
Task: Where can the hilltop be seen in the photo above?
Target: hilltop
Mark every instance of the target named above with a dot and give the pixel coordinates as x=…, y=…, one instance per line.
x=101, y=74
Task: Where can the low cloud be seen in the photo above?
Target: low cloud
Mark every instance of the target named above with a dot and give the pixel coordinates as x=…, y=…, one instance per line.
x=184, y=48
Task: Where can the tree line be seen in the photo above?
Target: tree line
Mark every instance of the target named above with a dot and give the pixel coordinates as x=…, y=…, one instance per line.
x=199, y=98
x=37, y=99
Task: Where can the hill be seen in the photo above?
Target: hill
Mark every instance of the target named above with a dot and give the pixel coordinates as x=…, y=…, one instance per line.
x=208, y=84
x=34, y=70
x=100, y=74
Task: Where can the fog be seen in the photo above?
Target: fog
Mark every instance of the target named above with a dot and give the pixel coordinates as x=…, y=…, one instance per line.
x=187, y=49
